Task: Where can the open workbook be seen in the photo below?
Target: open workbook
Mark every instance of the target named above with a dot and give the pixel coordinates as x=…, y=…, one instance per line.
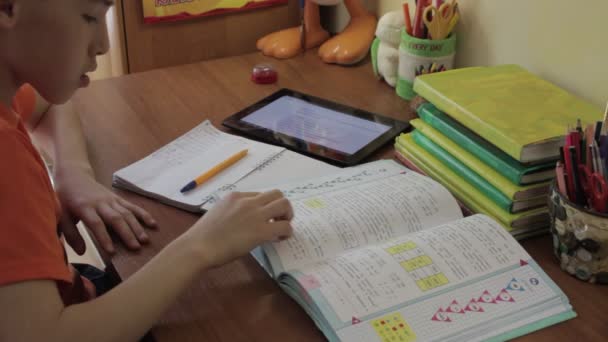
x=381, y=253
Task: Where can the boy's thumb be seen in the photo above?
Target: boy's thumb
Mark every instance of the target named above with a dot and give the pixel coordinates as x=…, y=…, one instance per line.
x=71, y=234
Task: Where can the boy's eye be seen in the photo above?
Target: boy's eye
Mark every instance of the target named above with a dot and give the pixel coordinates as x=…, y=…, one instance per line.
x=89, y=18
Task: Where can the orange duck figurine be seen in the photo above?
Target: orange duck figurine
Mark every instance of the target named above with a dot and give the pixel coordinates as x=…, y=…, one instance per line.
x=348, y=47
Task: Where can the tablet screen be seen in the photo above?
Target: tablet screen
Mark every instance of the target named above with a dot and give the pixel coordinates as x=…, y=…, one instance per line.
x=319, y=125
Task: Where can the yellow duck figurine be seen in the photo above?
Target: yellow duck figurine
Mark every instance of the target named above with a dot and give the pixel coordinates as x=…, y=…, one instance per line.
x=348, y=47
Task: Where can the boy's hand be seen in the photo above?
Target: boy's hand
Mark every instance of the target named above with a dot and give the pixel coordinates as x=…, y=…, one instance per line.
x=240, y=222
x=83, y=199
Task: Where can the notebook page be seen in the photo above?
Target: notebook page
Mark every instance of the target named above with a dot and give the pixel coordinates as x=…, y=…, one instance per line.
x=285, y=167
x=198, y=140
x=167, y=170
x=358, y=207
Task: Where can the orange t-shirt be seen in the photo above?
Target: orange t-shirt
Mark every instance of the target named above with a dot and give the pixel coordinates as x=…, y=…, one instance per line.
x=30, y=248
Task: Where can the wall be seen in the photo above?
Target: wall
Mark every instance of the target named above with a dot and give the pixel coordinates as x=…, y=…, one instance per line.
x=562, y=41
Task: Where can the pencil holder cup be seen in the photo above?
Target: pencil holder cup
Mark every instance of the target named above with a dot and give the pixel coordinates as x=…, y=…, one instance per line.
x=422, y=56
x=580, y=238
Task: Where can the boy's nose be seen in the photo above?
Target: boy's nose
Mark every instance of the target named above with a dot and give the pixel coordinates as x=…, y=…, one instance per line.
x=103, y=42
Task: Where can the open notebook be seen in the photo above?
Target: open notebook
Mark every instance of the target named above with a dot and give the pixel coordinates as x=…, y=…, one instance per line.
x=381, y=253
x=162, y=174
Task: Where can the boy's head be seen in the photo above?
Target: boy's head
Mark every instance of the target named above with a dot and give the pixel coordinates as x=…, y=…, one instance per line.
x=51, y=44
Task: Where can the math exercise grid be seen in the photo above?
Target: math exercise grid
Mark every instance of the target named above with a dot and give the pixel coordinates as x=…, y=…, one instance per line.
x=419, y=265
x=439, y=318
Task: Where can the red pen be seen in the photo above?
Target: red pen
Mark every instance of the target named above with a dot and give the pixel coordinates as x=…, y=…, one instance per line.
x=579, y=194
x=569, y=172
x=589, y=138
x=418, y=22
x=575, y=140
x=408, y=20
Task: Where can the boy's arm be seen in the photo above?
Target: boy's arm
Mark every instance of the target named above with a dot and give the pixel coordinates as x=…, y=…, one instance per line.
x=33, y=311
x=58, y=130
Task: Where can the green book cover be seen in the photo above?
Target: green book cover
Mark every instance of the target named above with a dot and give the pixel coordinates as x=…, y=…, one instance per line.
x=466, y=173
x=465, y=192
x=487, y=153
x=515, y=110
x=513, y=191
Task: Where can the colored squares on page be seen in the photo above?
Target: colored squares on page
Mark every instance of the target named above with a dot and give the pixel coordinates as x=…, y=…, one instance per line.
x=315, y=203
x=404, y=247
x=393, y=328
x=310, y=282
x=416, y=263
x=432, y=282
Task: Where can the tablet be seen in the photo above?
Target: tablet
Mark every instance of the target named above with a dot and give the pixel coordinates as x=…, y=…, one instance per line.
x=320, y=128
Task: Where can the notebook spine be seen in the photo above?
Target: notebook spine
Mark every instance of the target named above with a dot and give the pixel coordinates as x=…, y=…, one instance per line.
x=221, y=191
x=265, y=163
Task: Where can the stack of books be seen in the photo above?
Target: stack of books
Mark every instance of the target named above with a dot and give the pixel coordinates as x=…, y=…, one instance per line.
x=492, y=136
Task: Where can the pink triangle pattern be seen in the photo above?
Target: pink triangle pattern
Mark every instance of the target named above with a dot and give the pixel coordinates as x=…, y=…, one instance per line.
x=522, y=262
x=441, y=316
x=505, y=296
x=455, y=307
x=355, y=320
x=473, y=306
x=486, y=297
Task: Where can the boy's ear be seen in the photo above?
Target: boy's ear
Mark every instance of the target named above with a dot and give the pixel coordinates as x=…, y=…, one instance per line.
x=8, y=13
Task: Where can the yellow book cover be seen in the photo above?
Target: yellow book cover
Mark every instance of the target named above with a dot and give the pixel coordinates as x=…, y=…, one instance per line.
x=513, y=191
x=518, y=112
x=469, y=195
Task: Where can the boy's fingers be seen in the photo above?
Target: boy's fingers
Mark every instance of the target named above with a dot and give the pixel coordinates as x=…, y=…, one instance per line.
x=140, y=213
x=269, y=196
x=91, y=219
x=280, y=230
x=118, y=223
x=132, y=221
x=279, y=209
x=71, y=234
x=236, y=196
x=246, y=194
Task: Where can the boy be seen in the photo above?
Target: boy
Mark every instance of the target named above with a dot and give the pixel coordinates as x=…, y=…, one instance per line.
x=51, y=44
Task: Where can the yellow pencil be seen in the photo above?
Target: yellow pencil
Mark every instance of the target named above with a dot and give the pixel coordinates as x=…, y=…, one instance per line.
x=214, y=171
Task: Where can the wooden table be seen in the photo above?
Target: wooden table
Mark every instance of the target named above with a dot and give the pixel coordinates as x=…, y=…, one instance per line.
x=129, y=117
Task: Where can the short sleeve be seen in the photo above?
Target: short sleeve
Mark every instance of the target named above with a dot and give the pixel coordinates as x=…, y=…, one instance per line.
x=24, y=102
x=29, y=246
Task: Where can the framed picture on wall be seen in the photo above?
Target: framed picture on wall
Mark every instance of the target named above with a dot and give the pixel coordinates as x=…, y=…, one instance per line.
x=173, y=10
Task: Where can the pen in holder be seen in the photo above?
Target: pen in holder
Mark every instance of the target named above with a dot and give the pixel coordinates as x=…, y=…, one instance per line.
x=422, y=56
x=580, y=238
x=578, y=205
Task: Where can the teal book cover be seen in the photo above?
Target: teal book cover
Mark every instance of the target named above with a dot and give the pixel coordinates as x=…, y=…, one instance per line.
x=489, y=154
x=467, y=174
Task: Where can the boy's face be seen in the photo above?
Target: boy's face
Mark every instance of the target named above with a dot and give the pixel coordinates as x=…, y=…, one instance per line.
x=52, y=44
